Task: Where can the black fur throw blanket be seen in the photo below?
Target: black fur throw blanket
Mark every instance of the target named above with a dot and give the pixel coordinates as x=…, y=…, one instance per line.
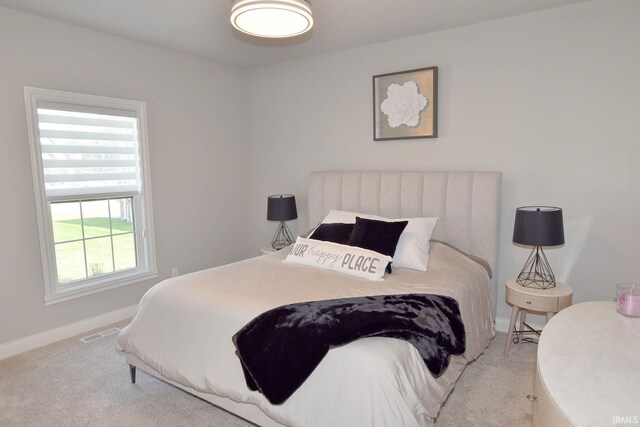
x=280, y=348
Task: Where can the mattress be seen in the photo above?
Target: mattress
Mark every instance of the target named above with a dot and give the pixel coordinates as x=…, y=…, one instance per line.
x=183, y=326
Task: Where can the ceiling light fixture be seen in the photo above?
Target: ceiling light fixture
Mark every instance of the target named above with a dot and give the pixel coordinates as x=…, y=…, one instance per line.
x=272, y=18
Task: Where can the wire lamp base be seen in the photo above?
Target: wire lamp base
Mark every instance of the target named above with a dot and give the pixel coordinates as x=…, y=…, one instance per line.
x=536, y=272
x=282, y=238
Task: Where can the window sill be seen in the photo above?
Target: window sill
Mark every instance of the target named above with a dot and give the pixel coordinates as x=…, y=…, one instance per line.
x=92, y=288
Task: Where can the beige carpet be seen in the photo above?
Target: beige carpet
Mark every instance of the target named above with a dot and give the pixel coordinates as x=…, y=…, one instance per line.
x=71, y=383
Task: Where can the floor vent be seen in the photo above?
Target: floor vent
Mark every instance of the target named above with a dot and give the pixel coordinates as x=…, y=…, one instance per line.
x=99, y=335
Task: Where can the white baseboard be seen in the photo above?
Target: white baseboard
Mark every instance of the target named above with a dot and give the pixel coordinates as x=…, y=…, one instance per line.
x=502, y=325
x=41, y=339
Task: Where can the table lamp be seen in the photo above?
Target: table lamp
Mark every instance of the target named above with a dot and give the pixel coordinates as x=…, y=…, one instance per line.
x=281, y=207
x=538, y=226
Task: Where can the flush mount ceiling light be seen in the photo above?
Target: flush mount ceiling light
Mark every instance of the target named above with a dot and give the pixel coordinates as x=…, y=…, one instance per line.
x=272, y=18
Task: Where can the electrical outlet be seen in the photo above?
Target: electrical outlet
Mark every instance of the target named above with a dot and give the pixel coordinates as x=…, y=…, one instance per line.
x=174, y=272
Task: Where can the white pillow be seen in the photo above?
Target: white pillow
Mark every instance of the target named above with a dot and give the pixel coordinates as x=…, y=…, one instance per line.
x=346, y=259
x=413, y=247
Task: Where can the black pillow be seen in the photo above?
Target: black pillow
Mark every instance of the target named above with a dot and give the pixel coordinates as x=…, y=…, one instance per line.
x=336, y=233
x=379, y=236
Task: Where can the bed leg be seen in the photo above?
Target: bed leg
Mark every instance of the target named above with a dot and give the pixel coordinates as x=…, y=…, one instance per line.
x=132, y=371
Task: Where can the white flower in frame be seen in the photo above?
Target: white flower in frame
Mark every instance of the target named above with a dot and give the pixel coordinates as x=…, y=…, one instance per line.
x=404, y=104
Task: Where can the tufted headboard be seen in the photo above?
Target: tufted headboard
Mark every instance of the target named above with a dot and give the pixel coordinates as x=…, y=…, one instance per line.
x=466, y=203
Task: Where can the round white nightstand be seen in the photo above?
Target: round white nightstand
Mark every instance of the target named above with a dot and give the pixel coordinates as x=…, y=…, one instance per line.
x=268, y=250
x=549, y=301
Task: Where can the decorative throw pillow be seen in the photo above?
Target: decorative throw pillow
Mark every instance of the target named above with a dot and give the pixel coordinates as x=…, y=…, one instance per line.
x=345, y=259
x=336, y=233
x=378, y=236
x=413, y=247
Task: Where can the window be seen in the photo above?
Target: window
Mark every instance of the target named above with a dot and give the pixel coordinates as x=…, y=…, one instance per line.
x=91, y=177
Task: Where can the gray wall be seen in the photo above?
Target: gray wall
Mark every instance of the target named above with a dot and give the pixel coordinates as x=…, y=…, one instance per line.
x=551, y=99
x=196, y=143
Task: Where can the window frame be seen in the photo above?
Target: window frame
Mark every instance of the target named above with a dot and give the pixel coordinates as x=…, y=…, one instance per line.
x=142, y=203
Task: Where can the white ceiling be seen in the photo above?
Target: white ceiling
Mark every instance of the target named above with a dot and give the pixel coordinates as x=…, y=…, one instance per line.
x=201, y=27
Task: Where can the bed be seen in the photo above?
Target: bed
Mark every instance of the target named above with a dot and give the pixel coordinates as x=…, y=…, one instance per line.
x=182, y=329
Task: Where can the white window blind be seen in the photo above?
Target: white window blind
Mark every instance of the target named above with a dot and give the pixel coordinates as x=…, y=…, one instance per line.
x=88, y=151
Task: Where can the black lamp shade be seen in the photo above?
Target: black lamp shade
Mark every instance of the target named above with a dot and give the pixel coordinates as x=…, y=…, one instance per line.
x=281, y=207
x=538, y=226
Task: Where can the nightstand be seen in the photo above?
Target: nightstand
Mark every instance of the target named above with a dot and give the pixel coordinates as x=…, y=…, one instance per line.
x=267, y=250
x=523, y=300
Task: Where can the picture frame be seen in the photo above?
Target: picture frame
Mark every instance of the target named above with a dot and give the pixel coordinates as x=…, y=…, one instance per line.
x=405, y=105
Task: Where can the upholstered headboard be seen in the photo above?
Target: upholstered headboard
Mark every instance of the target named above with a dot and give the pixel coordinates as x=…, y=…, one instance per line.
x=466, y=203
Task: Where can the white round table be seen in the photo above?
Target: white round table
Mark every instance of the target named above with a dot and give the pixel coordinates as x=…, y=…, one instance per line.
x=589, y=367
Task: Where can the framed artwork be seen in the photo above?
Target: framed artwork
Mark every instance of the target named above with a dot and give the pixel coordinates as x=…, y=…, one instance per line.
x=405, y=105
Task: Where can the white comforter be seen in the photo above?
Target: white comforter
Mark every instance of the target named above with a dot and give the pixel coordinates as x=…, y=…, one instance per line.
x=183, y=328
